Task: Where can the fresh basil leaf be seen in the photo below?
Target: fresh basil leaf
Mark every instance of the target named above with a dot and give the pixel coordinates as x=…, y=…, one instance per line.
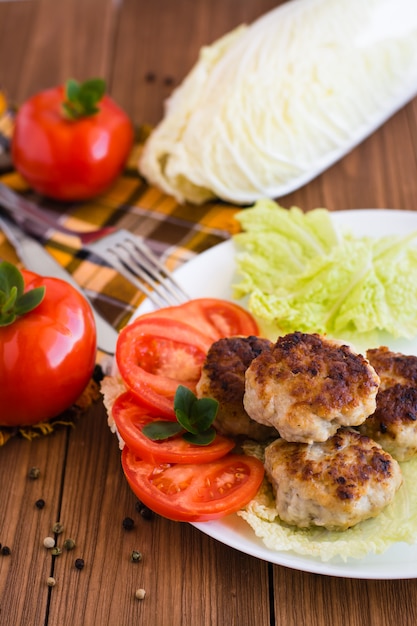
x=185, y=421
x=158, y=430
x=204, y=412
x=184, y=399
x=201, y=438
x=196, y=415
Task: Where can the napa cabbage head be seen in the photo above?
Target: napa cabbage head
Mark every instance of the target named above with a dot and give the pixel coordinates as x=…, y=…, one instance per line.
x=271, y=104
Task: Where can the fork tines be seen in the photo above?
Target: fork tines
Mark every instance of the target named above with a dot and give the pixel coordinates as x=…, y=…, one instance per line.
x=133, y=259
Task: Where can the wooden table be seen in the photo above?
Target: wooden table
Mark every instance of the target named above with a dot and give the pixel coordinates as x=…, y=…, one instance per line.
x=145, y=48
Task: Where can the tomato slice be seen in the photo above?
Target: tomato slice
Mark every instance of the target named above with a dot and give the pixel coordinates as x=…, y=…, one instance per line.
x=190, y=492
x=130, y=417
x=155, y=355
x=214, y=317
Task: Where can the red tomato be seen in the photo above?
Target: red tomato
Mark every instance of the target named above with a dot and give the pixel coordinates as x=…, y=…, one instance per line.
x=47, y=356
x=130, y=417
x=214, y=317
x=155, y=355
x=70, y=159
x=194, y=493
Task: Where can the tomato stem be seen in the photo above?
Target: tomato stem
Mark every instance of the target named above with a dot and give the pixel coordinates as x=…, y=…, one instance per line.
x=82, y=98
x=14, y=301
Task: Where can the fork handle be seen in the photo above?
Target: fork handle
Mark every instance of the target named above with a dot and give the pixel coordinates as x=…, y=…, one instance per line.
x=37, y=221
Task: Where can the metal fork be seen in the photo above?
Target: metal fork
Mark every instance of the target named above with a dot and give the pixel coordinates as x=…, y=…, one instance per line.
x=120, y=249
x=131, y=257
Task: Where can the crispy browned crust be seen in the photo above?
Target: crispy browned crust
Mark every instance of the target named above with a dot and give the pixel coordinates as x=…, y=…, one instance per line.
x=395, y=407
x=226, y=364
x=336, y=483
x=321, y=373
x=223, y=378
x=394, y=423
x=345, y=471
x=393, y=367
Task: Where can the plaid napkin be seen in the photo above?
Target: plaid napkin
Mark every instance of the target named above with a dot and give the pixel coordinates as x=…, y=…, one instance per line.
x=176, y=233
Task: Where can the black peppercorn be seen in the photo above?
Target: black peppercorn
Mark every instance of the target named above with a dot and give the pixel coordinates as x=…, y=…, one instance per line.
x=6, y=551
x=128, y=523
x=143, y=510
x=40, y=503
x=79, y=563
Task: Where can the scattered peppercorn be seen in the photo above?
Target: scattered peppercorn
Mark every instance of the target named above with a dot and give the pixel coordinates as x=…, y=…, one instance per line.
x=144, y=511
x=40, y=503
x=150, y=77
x=140, y=594
x=57, y=528
x=79, y=563
x=49, y=542
x=5, y=551
x=34, y=473
x=128, y=523
x=50, y=581
x=56, y=551
x=69, y=544
x=136, y=556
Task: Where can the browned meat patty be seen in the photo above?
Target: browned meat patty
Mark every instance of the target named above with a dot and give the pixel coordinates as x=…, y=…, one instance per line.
x=223, y=378
x=334, y=484
x=393, y=367
x=307, y=386
x=394, y=422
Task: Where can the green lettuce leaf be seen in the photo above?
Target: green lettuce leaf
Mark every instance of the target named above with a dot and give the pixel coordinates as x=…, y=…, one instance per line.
x=299, y=273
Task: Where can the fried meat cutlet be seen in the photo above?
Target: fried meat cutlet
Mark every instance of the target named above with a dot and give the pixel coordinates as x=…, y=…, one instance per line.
x=394, y=422
x=223, y=378
x=334, y=484
x=393, y=367
x=307, y=387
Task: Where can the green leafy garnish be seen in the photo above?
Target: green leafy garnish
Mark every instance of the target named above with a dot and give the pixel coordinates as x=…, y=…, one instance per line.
x=82, y=98
x=161, y=429
x=195, y=417
x=14, y=301
x=300, y=273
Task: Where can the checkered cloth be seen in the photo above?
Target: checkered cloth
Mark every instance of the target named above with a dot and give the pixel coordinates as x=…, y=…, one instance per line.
x=176, y=233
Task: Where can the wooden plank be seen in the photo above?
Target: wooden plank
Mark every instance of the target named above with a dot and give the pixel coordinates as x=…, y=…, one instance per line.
x=189, y=579
x=15, y=28
x=328, y=601
x=71, y=39
x=23, y=527
x=145, y=49
x=158, y=42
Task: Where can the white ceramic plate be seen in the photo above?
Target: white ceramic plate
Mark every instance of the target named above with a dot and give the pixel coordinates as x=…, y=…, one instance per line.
x=211, y=274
